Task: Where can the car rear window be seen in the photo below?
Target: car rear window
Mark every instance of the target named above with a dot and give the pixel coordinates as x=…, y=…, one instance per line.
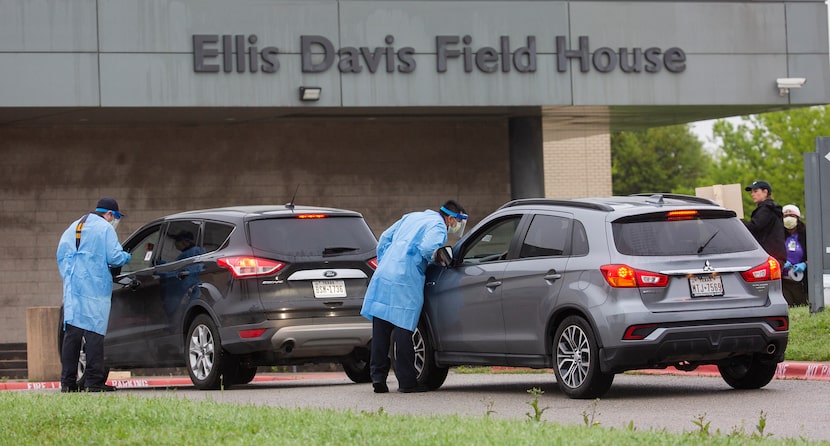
x=328, y=236
x=666, y=234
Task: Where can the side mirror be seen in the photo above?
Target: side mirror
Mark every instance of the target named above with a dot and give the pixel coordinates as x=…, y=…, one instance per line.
x=443, y=256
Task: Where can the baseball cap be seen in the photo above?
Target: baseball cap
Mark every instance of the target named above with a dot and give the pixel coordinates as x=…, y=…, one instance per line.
x=791, y=209
x=109, y=204
x=759, y=185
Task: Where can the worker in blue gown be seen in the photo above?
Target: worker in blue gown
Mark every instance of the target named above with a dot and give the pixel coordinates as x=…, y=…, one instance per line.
x=87, y=250
x=395, y=294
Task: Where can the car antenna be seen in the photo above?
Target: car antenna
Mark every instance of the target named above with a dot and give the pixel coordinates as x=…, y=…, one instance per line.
x=290, y=204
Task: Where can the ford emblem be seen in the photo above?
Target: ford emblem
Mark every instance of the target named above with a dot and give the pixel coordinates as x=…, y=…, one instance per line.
x=330, y=274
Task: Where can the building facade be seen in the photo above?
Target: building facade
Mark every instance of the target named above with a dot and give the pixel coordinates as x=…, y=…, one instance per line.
x=168, y=105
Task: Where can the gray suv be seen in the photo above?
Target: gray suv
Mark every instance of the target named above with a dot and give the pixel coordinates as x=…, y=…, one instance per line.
x=594, y=287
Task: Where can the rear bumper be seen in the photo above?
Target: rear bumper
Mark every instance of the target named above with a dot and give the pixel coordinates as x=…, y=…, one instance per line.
x=300, y=338
x=700, y=344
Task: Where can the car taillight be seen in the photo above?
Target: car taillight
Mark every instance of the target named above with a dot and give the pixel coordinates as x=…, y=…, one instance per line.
x=306, y=216
x=373, y=262
x=769, y=270
x=243, y=267
x=624, y=276
x=250, y=334
x=680, y=215
x=779, y=323
x=637, y=332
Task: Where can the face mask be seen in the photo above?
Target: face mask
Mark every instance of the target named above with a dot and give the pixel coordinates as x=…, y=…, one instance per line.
x=790, y=222
x=455, y=227
x=114, y=222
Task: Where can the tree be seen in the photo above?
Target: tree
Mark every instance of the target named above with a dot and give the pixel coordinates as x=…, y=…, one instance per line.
x=769, y=147
x=660, y=159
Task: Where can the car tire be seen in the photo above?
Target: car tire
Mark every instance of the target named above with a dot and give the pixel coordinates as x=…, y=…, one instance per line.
x=356, y=366
x=240, y=375
x=576, y=360
x=429, y=373
x=204, y=357
x=748, y=372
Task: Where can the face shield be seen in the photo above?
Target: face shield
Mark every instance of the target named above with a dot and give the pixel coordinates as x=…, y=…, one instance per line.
x=460, y=222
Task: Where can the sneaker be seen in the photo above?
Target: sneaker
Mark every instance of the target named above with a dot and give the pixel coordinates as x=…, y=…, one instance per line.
x=101, y=388
x=417, y=389
x=70, y=389
x=380, y=387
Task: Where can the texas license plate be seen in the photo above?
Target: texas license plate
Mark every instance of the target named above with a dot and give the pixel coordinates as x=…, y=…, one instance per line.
x=703, y=286
x=329, y=288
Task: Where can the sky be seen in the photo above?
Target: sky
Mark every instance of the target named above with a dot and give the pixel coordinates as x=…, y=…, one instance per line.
x=703, y=130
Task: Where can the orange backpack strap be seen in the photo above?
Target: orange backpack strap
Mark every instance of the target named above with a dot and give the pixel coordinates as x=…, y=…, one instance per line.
x=78, y=231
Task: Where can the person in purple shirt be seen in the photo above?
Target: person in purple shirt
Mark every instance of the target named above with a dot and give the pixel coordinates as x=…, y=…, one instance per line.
x=794, y=279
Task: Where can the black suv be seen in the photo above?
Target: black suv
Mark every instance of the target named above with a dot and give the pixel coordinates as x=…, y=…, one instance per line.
x=223, y=291
x=596, y=286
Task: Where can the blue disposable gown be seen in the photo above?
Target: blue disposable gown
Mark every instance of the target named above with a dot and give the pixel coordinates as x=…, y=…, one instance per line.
x=396, y=291
x=87, y=281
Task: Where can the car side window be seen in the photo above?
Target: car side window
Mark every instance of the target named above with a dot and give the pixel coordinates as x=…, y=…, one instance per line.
x=548, y=235
x=492, y=243
x=579, y=244
x=215, y=235
x=142, y=250
x=181, y=241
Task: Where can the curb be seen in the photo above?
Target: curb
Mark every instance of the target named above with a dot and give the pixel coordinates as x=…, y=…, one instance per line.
x=151, y=382
x=813, y=371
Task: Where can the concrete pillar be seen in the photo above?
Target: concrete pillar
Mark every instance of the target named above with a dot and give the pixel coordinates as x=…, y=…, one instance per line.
x=44, y=363
x=527, y=175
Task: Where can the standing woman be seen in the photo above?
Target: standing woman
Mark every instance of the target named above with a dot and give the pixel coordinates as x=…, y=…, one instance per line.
x=794, y=280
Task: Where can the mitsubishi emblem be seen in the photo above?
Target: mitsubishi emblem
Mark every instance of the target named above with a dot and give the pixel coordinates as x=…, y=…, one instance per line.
x=708, y=267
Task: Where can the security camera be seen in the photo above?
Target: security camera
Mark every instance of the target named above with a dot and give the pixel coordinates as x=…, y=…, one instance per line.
x=785, y=83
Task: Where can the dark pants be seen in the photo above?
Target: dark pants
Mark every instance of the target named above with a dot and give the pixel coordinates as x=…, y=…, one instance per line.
x=71, y=353
x=379, y=364
x=794, y=292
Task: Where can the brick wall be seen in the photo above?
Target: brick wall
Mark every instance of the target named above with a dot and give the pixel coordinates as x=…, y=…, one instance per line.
x=577, y=161
x=51, y=176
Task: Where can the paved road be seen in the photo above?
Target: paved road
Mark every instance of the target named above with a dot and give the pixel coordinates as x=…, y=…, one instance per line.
x=793, y=408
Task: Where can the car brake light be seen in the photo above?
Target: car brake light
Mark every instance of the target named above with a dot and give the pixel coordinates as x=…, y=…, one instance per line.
x=681, y=215
x=249, y=334
x=769, y=270
x=243, y=267
x=373, y=262
x=624, y=276
x=312, y=216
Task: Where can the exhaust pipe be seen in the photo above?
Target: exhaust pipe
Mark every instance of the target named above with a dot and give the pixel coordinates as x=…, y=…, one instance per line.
x=288, y=346
x=771, y=348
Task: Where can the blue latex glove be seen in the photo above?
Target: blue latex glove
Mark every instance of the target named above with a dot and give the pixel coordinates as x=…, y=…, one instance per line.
x=800, y=267
x=788, y=265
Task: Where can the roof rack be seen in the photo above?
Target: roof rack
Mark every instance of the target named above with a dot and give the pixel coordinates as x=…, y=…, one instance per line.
x=658, y=198
x=553, y=202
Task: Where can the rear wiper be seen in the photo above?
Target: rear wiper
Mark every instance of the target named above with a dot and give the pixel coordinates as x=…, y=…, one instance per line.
x=338, y=250
x=699, y=250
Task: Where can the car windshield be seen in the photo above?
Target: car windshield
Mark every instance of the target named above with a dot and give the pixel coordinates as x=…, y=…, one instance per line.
x=662, y=235
x=329, y=236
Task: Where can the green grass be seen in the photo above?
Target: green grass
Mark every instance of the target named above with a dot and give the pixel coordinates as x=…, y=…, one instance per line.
x=57, y=419
x=809, y=335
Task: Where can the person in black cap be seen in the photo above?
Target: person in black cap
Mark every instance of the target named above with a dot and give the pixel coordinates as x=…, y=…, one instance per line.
x=86, y=251
x=766, y=223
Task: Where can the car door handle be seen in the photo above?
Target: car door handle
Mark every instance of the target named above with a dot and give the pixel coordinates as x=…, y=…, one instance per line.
x=492, y=285
x=182, y=274
x=550, y=277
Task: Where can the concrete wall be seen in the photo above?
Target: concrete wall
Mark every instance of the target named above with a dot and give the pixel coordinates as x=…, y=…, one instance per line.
x=134, y=53
x=51, y=176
